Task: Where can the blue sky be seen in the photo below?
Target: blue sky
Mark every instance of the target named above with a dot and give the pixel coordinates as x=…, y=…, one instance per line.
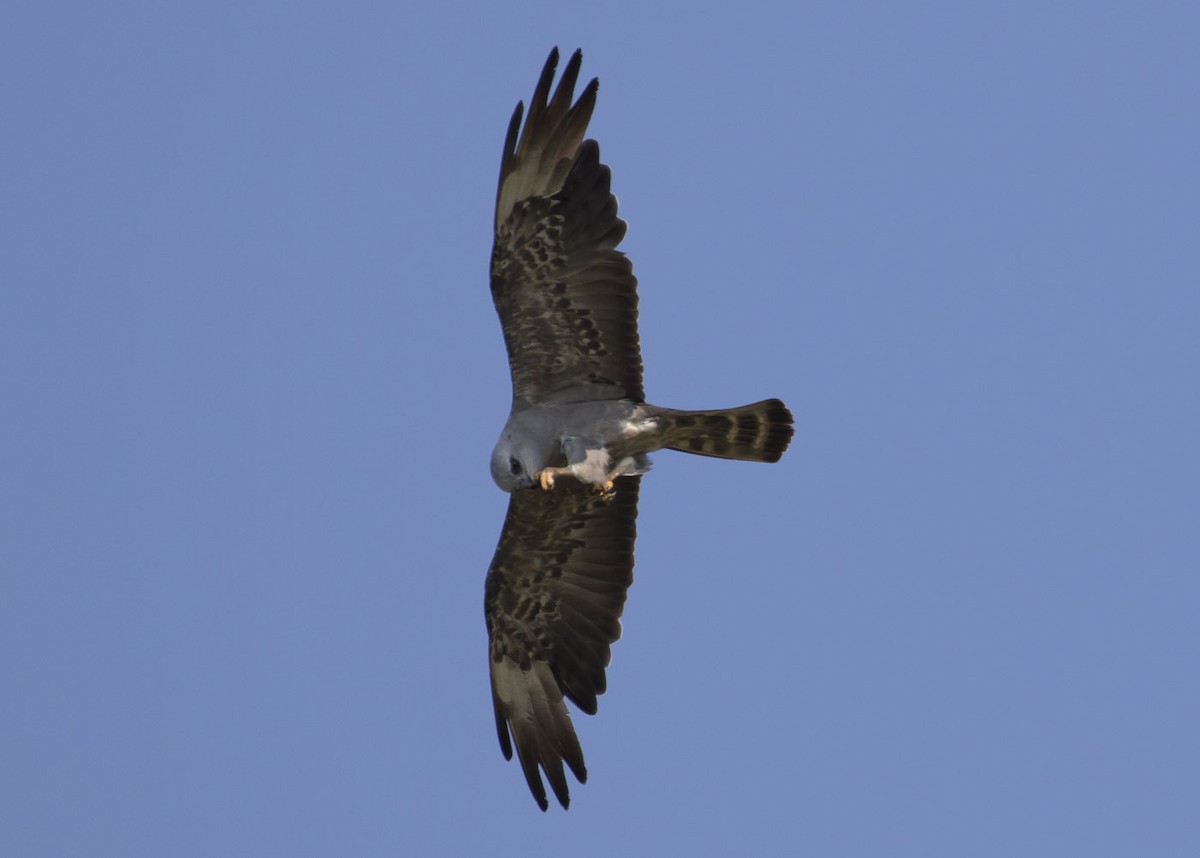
x=251, y=376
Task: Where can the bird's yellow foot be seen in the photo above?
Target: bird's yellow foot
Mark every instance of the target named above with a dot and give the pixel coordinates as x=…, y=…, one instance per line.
x=546, y=478
x=606, y=490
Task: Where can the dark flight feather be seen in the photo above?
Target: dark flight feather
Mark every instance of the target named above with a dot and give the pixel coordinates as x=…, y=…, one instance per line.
x=553, y=601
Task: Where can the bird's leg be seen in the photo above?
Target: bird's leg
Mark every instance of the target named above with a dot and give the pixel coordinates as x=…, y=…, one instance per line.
x=606, y=489
x=546, y=476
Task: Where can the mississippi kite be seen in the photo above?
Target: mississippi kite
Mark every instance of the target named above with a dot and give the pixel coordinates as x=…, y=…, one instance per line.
x=576, y=442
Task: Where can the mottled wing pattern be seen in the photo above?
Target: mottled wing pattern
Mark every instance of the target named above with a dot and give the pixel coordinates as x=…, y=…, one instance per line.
x=553, y=600
x=566, y=297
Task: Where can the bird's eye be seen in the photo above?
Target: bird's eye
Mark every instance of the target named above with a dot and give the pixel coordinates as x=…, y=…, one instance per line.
x=514, y=466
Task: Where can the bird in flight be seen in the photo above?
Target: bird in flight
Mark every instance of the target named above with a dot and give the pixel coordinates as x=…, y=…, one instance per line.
x=575, y=445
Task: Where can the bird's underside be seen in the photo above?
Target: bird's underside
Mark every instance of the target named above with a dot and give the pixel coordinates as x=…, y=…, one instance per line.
x=576, y=442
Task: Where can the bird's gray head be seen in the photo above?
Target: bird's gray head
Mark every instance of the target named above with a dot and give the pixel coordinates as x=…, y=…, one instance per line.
x=513, y=463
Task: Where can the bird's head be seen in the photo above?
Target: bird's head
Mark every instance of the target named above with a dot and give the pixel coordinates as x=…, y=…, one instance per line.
x=514, y=463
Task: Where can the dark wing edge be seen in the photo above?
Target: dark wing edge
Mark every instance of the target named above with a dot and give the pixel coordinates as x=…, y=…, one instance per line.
x=536, y=163
x=566, y=297
x=553, y=601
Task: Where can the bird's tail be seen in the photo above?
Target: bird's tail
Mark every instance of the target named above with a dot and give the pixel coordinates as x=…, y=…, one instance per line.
x=752, y=433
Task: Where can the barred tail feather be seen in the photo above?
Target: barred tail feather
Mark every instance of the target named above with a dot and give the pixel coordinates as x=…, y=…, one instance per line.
x=752, y=433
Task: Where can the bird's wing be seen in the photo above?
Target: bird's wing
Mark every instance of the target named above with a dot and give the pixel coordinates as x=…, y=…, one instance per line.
x=553, y=601
x=566, y=297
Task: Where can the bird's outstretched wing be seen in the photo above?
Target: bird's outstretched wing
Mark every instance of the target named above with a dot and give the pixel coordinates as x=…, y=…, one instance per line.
x=567, y=298
x=553, y=601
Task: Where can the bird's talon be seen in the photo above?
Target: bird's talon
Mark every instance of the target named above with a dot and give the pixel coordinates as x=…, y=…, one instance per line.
x=546, y=478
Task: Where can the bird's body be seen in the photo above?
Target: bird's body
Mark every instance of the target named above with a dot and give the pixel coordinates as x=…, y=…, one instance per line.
x=582, y=436
x=597, y=440
x=579, y=433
